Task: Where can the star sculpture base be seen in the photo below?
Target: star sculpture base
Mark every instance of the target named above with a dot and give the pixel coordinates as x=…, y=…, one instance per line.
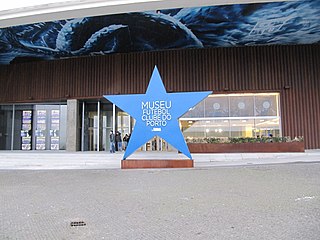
x=156, y=163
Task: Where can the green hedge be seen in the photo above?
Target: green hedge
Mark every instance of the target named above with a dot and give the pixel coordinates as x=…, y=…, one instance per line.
x=244, y=140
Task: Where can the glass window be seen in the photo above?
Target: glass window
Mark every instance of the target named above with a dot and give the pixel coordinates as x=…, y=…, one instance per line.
x=193, y=128
x=217, y=106
x=196, y=111
x=266, y=105
x=241, y=106
x=218, y=128
x=242, y=128
x=233, y=115
x=267, y=126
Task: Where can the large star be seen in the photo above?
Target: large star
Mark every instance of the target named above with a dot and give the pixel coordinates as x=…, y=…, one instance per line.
x=156, y=113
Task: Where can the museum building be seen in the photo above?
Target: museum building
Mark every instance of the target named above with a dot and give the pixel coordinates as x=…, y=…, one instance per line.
x=263, y=70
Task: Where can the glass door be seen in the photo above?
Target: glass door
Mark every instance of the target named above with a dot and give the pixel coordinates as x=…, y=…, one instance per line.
x=107, y=125
x=123, y=123
x=26, y=130
x=54, y=129
x=36, y=127
x=90, y=126
x=23, y=120
x=41, y=129
x=98, y=119
x=156, y=144
x=49, y=126
x=6, y=114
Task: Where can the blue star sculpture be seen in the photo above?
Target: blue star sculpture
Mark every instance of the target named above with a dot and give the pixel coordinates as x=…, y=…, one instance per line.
x=156, y=113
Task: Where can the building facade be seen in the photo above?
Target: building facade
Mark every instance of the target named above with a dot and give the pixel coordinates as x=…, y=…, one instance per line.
x=257, y=90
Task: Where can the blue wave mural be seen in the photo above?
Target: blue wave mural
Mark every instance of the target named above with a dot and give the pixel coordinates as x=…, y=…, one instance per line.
x=292, y=22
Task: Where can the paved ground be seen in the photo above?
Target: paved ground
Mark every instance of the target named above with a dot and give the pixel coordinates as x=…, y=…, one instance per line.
x=226, y=196
x=240, y=202
x=36, y=160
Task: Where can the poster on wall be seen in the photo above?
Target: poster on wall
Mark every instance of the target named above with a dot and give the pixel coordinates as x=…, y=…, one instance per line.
x=26, y=130
x=40, y=143
x=54, y=130
x=41, y=129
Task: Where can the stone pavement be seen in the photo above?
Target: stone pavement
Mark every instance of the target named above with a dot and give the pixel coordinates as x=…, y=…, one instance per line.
x=36, y=160
x=265, y=202
x=249, y=196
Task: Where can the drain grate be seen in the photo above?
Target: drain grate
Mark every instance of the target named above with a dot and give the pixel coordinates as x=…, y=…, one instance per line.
x=78, y=224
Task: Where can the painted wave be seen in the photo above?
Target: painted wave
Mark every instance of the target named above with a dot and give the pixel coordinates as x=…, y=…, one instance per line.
x=291, y=22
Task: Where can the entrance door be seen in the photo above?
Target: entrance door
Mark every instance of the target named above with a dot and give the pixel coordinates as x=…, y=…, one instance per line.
x=5, y=127
x=156, y=144
x=48, y=122
x=89, y=124
x=107, y=125
x=98, y=119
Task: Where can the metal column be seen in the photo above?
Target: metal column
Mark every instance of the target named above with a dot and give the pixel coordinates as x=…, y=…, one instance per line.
x=12, y=128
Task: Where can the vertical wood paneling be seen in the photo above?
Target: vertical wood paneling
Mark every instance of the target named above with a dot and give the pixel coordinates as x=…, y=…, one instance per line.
x=223, y=70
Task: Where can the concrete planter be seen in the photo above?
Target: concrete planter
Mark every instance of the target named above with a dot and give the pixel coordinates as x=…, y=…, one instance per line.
x=246, y=147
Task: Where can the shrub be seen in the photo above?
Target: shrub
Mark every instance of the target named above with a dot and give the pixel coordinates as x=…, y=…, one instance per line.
x=243, y=140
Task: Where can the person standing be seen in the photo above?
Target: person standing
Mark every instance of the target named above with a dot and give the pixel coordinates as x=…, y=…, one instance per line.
x=119, y=141
x=125, y=142
x=112, y=142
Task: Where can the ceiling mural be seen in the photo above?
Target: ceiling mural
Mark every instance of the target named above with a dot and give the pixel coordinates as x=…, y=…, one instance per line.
x=292, y=22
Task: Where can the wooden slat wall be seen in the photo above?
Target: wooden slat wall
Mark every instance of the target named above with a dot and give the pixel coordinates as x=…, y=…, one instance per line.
x=245, y=69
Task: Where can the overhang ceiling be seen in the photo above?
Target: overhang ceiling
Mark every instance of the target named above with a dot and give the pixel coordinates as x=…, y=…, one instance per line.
x=227, y=25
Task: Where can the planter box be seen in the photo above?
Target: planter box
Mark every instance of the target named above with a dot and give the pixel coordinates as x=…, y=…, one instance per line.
x=156, y=163
x=246, y=147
